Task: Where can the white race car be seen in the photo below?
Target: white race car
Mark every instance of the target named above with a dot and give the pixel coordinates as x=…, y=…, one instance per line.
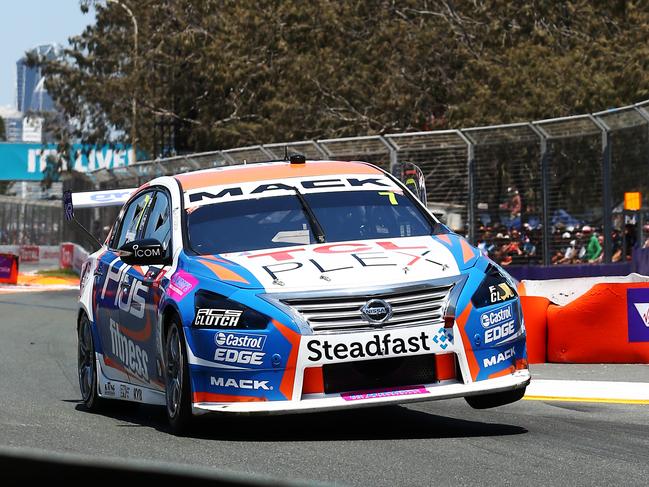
x=291, y=286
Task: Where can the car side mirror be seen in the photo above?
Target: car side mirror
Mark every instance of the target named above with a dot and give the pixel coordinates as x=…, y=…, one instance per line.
x=147, y=251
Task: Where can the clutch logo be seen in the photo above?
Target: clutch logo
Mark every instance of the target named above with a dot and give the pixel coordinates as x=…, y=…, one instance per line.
x=239, y=340
x=498, y=358
x=638, y=314
x=217, y=317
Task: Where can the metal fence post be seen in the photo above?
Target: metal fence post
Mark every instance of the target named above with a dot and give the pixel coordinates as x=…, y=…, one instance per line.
x=394, y=156
x=545, y=189
x=606, y=187
x=470, y=163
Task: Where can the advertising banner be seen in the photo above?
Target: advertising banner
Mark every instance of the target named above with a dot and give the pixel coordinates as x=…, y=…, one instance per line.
x=8, y=269
x=26, y=162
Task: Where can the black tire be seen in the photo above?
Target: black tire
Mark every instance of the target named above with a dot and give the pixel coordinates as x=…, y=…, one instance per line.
x=87, y=366
x=486, y=401
x=178, y=388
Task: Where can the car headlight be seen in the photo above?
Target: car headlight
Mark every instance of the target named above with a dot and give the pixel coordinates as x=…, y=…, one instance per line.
x=496, y=287
x=216, y=311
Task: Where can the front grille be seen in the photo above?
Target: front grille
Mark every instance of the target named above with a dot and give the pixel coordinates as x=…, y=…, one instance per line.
x=381, y=373
x=421, y=305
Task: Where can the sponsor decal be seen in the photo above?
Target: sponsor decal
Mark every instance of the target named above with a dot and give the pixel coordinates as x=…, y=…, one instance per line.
x=223, y=318
x=180, y=284
x=110, y=196
x=638, y=314
x=109, y=389
x=377, y=393
x=130, y=393
x=128, y=298
x=134, y=358
x=155, y=251
x=500, y=324
x=85, y=272
x=385, y=345
x=500, y=292
x=498, y=358
x=232, y=355
x=215, y=194
x=340, y=258
x=376, y=311
x=497, y=316
x=499, y=332
x=248, y=384
x=240, y=340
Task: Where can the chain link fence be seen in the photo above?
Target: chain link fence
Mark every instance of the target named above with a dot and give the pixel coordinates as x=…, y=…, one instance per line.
x=544, y=192
x=30, y=222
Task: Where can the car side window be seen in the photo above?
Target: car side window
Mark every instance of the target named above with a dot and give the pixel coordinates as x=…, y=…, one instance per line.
x=132, y=219
x=158, y=222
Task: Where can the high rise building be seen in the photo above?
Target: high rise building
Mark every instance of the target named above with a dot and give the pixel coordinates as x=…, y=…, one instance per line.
x=31, y=94
x=13, y=121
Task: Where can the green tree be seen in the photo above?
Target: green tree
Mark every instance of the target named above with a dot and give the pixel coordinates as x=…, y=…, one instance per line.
x=224, y=73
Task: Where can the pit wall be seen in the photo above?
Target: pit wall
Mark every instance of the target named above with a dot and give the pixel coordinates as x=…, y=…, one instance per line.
x=587, y=320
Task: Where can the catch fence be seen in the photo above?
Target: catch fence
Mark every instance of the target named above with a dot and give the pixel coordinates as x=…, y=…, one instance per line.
x=544, y=192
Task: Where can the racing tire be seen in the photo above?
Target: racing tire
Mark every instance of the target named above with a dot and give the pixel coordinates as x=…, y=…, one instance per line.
x=87, y=366
x=486, y=401
x=178, y=389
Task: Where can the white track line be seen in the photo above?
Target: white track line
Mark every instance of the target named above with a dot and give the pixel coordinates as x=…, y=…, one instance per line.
x=588, y=391
x=35, y=288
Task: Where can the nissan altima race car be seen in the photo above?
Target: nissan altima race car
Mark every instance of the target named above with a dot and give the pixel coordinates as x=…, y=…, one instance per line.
x=288, y=287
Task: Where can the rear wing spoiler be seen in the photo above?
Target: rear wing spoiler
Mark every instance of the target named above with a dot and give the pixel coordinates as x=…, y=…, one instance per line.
x=93, y=199
x=100, y=199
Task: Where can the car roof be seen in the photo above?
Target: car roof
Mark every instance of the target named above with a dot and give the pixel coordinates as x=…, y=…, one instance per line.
x=271, y=170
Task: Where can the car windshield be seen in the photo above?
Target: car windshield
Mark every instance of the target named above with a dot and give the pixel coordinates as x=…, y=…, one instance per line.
x=280, y=221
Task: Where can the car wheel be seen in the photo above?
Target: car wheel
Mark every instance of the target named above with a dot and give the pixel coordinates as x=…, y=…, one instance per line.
x=486, y=401
x=87, y=365
x=177, y=380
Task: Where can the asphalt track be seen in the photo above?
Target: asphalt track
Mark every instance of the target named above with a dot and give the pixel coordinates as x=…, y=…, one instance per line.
x=434, y=443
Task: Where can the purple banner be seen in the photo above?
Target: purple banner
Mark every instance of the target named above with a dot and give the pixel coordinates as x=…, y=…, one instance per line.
x=638, y=314
x=6, y=263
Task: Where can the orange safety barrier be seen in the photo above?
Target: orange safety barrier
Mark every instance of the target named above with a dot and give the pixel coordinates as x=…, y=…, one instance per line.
x=608, y=324
x=9, y=268
x=535, y=310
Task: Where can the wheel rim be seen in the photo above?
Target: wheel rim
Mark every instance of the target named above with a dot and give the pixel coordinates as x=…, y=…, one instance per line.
x=174, y=372
x=86, y=362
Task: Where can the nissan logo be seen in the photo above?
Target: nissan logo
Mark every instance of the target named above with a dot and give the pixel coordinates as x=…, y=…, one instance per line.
x=376, y=311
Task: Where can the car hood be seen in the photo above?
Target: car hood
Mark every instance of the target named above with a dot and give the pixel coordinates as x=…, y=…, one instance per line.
x=392, y=261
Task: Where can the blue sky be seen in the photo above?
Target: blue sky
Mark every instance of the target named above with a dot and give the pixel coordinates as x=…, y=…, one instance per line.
x=28, y=23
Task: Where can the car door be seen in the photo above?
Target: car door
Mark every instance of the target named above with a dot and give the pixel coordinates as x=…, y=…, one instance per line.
x=140, y=295
x=111, y=287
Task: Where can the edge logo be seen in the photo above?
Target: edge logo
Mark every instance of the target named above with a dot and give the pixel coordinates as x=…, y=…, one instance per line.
x=376, y=311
